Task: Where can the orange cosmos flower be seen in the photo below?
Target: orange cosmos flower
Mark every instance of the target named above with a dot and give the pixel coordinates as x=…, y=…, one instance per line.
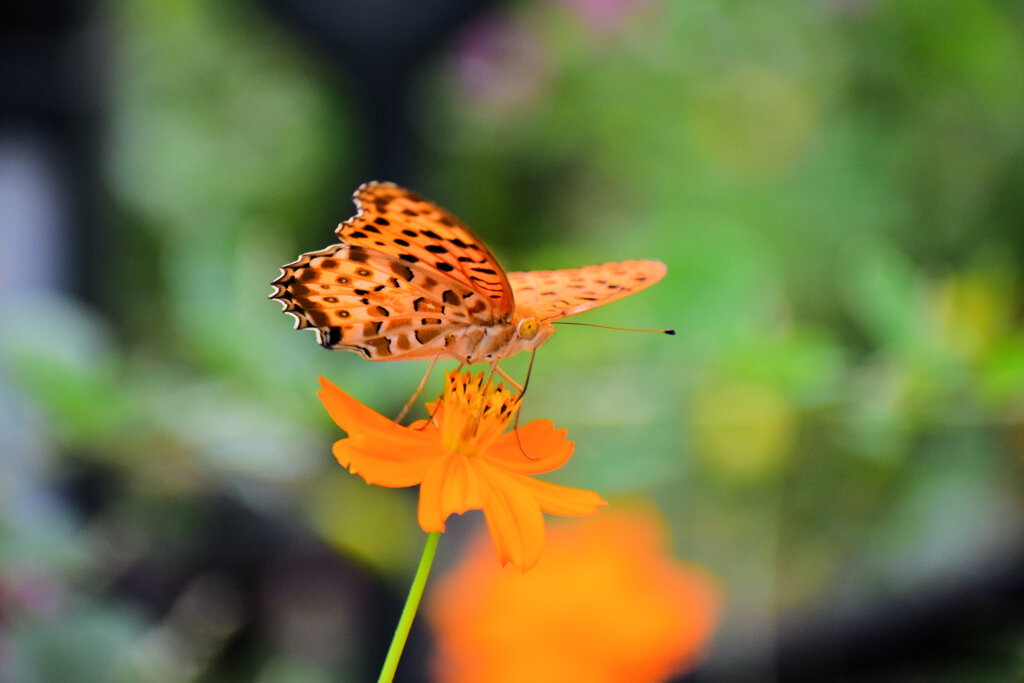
x=463, y=460
x=604, y=604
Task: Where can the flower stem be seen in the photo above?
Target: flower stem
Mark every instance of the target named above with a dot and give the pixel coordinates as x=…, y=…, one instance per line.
x=412, y=603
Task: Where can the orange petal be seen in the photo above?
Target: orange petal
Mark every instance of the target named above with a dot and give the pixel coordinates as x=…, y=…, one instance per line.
x=561, y=500
x=514, y=518
x=357, y=419
x=539, y=448
x=637, y=615
x=380, y=462
x=449, y=487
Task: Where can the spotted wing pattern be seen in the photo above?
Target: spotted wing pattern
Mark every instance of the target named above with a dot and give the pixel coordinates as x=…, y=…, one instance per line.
x=395, y=221
x=408, y=280
x=405, y=275
x=553, y=294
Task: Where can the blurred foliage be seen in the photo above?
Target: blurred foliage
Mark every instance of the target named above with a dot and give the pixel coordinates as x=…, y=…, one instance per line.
x=835, y=187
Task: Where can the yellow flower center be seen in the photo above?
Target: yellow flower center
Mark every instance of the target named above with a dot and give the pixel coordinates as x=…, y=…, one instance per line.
x=474, y=413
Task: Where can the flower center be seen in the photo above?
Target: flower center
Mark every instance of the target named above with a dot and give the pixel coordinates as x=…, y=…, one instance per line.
x=474, y=413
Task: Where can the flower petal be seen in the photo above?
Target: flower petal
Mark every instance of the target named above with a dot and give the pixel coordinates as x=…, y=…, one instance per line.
x=513, y=516
x=561, y=500
x=449, y=487
x=538, y=448
x=382, y=463
x=635, y=613
x=357, y=419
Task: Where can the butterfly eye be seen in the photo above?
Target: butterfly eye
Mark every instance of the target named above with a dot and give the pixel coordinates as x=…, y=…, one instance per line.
x=527, y=328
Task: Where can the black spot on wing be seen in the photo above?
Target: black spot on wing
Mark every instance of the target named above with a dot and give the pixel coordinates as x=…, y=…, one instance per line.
x=357, y=255
x=382, y=346
x=331, y=336
x=402, y=271
x=424, y=335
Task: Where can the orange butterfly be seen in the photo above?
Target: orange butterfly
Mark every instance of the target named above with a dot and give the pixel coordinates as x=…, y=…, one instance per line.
x=409, y=281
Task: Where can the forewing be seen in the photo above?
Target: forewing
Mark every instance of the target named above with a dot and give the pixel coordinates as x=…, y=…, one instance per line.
x=552, y=294
x=401, y=223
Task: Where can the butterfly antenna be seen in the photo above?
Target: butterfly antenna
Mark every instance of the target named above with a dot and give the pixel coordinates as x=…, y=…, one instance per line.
x=419, y=390
x=609, y=327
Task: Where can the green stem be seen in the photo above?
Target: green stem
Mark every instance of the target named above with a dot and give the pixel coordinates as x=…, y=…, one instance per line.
x=412, y=603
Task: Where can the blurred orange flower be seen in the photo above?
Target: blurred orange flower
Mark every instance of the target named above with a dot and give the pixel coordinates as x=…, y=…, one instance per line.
x=605, y=603
x=463, y=460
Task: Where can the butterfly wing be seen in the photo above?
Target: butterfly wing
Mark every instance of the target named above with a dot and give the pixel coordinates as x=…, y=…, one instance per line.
x=406, y=275
x=408, y=278
x=374, y=304
x=396, y=221
x=553, y=294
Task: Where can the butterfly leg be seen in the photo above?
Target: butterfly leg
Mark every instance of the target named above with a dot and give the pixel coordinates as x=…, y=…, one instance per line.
x=504, y=375
x=522, y=392
x=419, y=390
x=490, y=375
x=437, y=405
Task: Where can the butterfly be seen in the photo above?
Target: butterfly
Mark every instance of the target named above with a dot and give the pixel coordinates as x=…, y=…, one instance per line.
x=409, y=281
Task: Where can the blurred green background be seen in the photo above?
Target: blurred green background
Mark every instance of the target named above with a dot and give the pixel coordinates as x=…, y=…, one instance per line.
x=837, y=430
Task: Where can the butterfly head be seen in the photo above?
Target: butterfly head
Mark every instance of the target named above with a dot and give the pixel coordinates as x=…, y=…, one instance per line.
x=530, y=332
